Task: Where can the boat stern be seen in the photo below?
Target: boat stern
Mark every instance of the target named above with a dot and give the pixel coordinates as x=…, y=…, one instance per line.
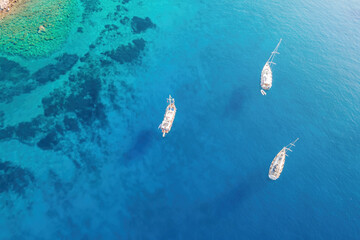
x=273, y=177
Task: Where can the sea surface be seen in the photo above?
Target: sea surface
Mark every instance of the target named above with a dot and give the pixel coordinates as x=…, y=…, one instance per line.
x=81, y=155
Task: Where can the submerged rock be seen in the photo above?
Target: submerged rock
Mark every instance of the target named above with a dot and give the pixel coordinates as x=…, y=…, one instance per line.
x=124, y=20
x=52, y=72
x=14, y=79
x=6, y=133
x=2, y=119
x=90, y=7
x=49, y=141
x=127, y=53
x=12, y=71
x=139, y=25
x=41, y=29
x=54, y=104
x=26, y=130
x=14, y=178
x=71, y=124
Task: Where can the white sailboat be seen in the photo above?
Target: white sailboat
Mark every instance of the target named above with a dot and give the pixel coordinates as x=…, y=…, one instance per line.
x=277, y=164
x=266, y=73
x=169, y=116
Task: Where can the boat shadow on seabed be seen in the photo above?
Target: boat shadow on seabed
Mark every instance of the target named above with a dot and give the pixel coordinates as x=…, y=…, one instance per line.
x=140, y=145
x=232, y=199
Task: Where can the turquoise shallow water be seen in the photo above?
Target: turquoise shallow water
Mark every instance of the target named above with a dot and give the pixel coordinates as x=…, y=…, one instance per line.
x=81, y=156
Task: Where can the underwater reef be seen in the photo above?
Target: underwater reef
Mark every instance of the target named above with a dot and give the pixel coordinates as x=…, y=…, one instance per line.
x=14, y=79
x=77, y=94
x=52, y=72
x=85, y=95
x=17, y=80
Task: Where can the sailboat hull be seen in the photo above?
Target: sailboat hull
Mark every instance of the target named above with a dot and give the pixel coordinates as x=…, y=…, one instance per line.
x=169, y=117
x=266, y=77
x=277, y=165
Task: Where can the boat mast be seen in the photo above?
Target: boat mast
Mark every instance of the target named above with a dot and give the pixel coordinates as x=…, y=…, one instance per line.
x=292, y=144
x=271, y=58
x=171, y=100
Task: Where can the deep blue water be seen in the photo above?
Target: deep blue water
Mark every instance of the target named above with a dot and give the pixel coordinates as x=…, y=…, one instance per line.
x=82, y=158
